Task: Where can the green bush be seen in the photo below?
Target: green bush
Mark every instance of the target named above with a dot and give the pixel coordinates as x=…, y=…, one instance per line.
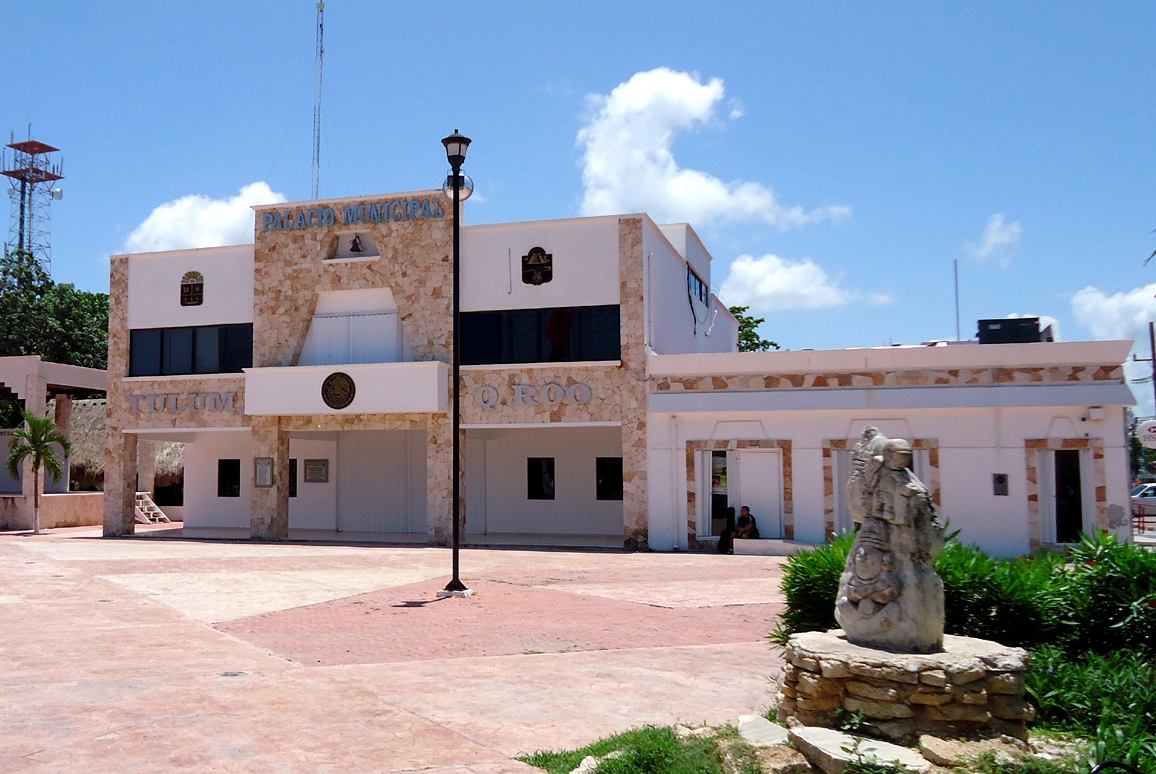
x=1089, y=616
x=1101, y=596
x=1112, y=596
x=810, y=585
x=1108, y=698
x=1019, y=602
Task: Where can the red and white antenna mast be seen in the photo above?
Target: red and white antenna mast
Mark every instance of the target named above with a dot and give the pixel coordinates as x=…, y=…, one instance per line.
x=32, y=170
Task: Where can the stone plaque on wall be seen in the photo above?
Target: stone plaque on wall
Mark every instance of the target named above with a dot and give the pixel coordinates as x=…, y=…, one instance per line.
x=263, y=472
x=317, y=471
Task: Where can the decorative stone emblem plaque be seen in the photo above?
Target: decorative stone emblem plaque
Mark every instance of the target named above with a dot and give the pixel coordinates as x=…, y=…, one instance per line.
x=192, y=289
x=537, y=267
x=338, y=390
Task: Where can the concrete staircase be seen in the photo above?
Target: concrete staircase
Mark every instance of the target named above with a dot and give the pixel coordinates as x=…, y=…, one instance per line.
x=147, y=512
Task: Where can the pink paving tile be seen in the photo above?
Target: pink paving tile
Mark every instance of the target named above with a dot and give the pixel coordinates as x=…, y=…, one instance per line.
x=409, y=623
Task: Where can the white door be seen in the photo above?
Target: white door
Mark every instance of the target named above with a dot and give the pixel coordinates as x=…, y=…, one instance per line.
x=760, y=488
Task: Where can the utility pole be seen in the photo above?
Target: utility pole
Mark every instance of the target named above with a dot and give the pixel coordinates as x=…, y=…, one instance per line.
x=1151, y=356
x=955, y=265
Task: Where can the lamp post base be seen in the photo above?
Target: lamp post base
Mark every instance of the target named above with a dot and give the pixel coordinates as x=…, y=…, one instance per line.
x=442, y=593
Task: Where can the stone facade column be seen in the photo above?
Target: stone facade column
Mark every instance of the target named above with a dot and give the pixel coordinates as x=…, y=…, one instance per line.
x=119, y=483
x=439, y=467
x=269, y=514
x=632, y=392
x=63, y=416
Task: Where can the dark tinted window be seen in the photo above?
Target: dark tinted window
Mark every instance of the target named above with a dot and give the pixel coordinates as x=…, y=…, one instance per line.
x=145, y=353
x=177, y=351
x=228, y=478
x=292, y=477
x=208, y=346
x=540, y=478
x=209, y=349
x=236, y=348
x=482, y=337
x=557, y=335
x=608, y=475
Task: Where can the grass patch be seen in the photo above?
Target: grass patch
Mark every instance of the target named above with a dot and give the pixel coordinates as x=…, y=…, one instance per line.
x=648, y=750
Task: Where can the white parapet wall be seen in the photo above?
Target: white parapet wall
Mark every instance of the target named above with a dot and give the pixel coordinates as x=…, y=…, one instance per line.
x=380, y=388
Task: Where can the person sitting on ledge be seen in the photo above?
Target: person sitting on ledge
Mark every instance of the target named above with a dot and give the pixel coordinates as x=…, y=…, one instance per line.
x=745, y=527
x=726, y=539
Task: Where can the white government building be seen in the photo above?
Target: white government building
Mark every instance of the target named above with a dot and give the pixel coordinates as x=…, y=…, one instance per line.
x=604, y=401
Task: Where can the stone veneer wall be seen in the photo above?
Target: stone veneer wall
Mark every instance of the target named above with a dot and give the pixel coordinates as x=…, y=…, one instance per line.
x=1032, y=448
x=619, y=392
x=864, y=379
x=973, y=687
x=831, y=445
x=692, y=447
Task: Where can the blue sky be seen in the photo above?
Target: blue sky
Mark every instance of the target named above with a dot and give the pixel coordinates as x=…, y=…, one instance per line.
x=877, y=142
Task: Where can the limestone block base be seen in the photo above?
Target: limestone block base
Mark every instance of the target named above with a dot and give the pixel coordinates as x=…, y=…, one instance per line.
x=974, y=688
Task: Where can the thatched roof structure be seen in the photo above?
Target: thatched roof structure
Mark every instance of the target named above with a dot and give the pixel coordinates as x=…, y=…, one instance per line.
x=87, y=436
x=170, y=458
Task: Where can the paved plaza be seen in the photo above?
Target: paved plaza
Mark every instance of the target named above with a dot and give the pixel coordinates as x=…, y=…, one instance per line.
x=153, y=654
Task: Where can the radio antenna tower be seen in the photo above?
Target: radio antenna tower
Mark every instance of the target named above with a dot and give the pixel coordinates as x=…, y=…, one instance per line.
x=30, y=167
x=317, y=101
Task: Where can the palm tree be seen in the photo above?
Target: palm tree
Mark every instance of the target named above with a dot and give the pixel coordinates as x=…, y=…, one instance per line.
x=35, y=441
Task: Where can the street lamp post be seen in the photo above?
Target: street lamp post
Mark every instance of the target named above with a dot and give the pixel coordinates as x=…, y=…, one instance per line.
x=456, y=145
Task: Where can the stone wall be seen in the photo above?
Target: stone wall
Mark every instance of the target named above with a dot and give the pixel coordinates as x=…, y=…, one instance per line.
x=973, y=688
x=75, y=509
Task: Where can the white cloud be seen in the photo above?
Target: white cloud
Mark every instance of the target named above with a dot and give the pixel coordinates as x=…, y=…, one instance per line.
x=628, y=166
x=198, y=221
x=997, y=240
x=1119, y=316
x=1122, y=316
x=771, y=284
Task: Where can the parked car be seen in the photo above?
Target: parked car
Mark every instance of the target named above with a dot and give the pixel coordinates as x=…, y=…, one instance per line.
x=1144, y=494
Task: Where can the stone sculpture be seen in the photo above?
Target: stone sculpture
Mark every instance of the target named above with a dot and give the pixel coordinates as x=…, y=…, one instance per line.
x=889, y=595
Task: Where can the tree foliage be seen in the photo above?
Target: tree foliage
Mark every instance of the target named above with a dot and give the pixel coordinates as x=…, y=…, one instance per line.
x=749, y=338
x=57, y=321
